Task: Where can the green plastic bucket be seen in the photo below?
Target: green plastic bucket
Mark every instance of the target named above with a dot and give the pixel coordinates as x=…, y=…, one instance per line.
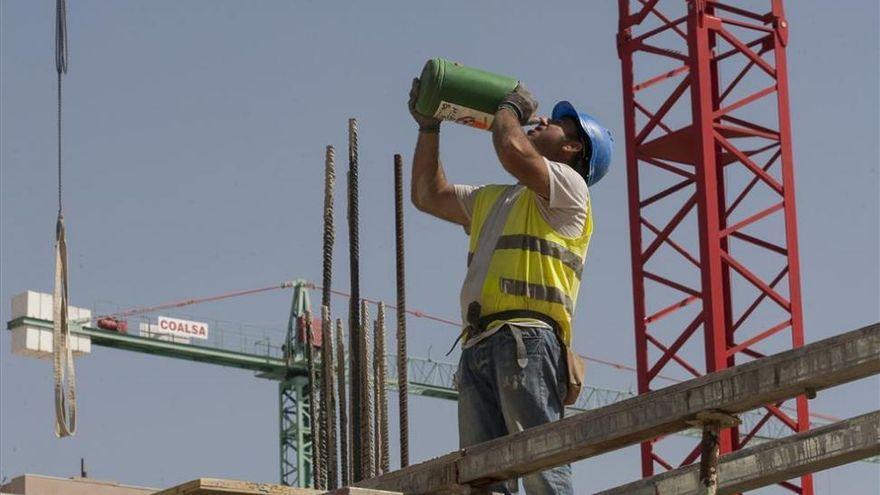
x=461, y=94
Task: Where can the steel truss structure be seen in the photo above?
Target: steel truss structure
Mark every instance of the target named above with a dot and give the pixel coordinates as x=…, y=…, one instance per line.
x=295, y=432
x=711, y=199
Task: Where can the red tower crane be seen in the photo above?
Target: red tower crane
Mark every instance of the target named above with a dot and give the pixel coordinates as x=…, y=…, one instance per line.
x=711, y=197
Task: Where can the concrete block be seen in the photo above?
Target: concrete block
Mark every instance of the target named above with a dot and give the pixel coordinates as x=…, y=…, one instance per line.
x=45, y=306
x=36, y=342
x=39, y=305
x=25, y=342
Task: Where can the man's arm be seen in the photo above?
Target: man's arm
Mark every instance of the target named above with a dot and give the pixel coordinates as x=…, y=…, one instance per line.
x=516, y=153
x=431, y=193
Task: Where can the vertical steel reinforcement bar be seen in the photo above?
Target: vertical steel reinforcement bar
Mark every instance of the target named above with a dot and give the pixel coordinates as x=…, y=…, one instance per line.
x=314, y=424
x=344, y=433
x=402, y=379
x=327, y=389
x=377, y=427
x=383, y=460
x=366, y=377
x=354, y=323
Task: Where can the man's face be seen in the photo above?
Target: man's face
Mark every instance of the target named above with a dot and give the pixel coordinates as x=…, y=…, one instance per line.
x=555, y=139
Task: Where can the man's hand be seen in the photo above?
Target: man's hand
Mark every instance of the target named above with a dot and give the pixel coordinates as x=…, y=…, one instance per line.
x=426, y=123
x=517, y=154
x=521, y=101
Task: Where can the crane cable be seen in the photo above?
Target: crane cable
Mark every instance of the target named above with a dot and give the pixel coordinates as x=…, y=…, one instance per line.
x=65, y=376
x=189, y=302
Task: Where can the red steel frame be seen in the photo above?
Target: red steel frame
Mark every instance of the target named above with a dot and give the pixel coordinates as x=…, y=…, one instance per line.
x=694, y=42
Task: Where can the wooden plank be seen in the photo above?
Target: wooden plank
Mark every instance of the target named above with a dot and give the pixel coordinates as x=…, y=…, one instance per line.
x=814, y=367
x=214, y=486
x=771, y=462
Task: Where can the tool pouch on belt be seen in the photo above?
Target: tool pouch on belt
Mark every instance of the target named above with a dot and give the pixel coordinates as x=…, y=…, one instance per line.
x=574, y=363
x=575, y=381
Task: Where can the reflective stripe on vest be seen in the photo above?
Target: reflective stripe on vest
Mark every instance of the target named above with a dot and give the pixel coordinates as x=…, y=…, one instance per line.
x=533, y=267
x=535, y=291
x=545, y=247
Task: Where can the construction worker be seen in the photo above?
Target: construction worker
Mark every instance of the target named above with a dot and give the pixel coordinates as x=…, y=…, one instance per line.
x=528, y=242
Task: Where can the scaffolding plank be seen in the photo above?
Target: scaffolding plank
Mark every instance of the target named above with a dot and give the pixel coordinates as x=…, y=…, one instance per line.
x=772, y=462
x=814, y=367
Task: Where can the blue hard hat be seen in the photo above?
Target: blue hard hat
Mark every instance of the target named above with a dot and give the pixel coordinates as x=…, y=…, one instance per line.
x=599, y=139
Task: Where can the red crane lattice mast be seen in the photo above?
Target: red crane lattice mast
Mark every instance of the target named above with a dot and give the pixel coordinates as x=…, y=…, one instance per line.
x=711, y=197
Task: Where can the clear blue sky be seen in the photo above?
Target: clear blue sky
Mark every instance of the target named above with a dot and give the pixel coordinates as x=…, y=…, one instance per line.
x=195, y=134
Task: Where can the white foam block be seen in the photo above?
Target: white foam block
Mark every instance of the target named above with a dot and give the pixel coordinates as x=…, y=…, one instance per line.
x=37, y=342
x=32, y=304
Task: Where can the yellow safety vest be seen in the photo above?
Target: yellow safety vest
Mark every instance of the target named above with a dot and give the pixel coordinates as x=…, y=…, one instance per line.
x=533, y=267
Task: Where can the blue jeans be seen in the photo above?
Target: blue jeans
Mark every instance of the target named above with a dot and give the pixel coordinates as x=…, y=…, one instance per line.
x=498, y=397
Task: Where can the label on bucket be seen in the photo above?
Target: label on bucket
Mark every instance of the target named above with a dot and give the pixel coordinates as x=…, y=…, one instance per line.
x=464, y=115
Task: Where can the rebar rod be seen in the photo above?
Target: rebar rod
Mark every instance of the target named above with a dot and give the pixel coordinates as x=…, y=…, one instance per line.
x=377, y=427
x=328, y=401
x=329, y=238
x=402, y=380
x=314, y=425
x=354, y=323
x=321, y=437
x=366, y=425
x=383, y=460
x=709, y=460
x=344, y=465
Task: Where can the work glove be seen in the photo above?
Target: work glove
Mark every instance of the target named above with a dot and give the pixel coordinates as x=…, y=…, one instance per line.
x=426, y=123
x=521, y=101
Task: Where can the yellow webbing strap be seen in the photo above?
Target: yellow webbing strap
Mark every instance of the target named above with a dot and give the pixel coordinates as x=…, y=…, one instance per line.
x=65, y=400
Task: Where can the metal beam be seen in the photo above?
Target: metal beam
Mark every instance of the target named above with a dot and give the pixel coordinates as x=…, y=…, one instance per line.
x=432, y=378
x=772, y=462
x=814, y=367
x=267, y=366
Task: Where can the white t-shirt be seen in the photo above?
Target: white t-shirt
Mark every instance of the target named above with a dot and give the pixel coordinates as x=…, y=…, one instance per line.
x=565, y=210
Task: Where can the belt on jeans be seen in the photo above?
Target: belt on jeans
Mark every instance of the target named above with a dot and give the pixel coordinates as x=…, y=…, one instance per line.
x=512, y=314
x=479, y=325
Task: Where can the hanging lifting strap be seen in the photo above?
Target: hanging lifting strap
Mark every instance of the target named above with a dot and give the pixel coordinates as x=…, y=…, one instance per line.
x=65, y=377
